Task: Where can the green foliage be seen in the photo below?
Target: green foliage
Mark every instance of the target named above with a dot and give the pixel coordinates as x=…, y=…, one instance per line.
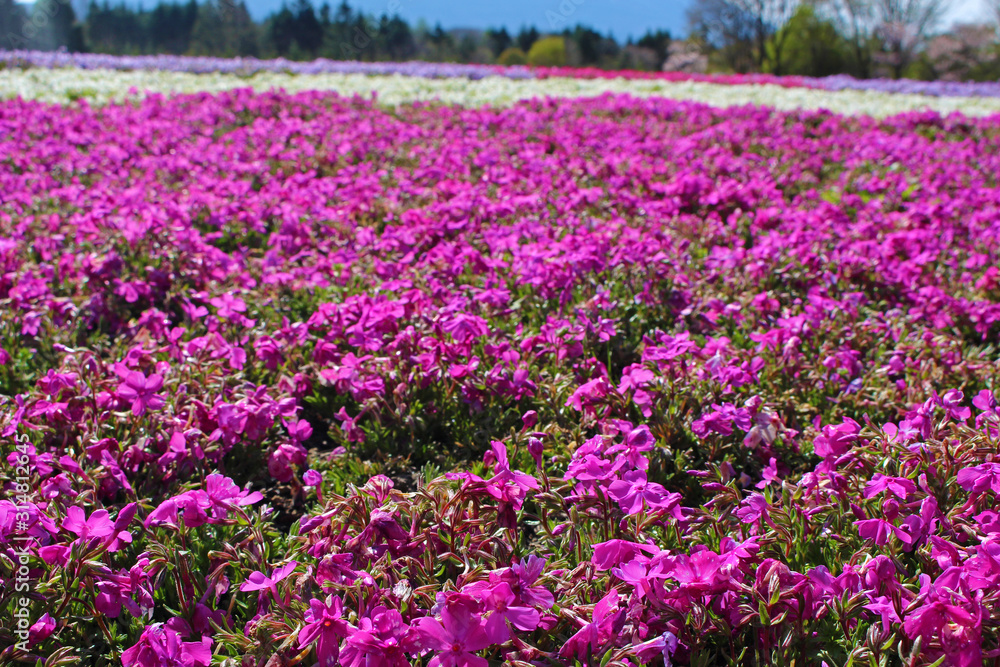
x=513, y=56
x=224, y=29
x=921, y=69
x=989, y=68
x=807, y=46
x=548, y=52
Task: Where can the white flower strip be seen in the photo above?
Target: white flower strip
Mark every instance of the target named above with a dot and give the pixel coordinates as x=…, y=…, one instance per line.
x=62, y=85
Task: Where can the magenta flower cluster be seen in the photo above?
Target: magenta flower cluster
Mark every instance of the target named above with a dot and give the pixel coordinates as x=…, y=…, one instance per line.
x=299, y=380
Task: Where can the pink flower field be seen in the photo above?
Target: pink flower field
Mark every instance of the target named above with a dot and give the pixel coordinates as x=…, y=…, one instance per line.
x=305, y=380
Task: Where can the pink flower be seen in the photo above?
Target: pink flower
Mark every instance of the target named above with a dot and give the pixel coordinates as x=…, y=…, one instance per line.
x=663, y=646
x=228, y=306
x=981, y=478
x=599, y=632
x=141, y=391
x=633, y=491
x=223, y=493
x=457, y=636
x=381, y=640
x=614, y=552
x=884, y=607
x=957, y=628
x=281, y=462
x=589, y=394
x=638, y=574
x=701, y=572
x=98, y=525
x=258, y=581
x=161, y=646
x=898, y=486
x=324, y=625
x=464, y=328
x=42, y=629
x=507, y=609
x=836, y=440
x=754, y=508
x=878, y=530
x=951, y=401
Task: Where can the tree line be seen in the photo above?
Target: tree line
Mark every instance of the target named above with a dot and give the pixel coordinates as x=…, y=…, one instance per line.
x=303, y=31
x=808, y=37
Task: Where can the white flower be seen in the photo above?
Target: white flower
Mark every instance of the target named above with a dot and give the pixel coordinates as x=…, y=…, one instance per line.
x=98, y=86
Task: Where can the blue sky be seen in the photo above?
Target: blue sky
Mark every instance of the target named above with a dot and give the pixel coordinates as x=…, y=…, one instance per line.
x=623, y=18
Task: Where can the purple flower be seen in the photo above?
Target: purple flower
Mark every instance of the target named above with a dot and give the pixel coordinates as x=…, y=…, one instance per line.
x=141, y=391
x=41, y=629
x=981, y=478
x=663, y=646
x=223, y=494
x=507, y=608
x=599, y=632
x=98, y=525
x=522, y=576
x=633, y=490
x=324, y=625
x=878, y=530
x=951, y=401
x=754, y=508
x=161, y=646
x=884, y=607
x=898, y=486
x=258, y=581
x=836, y=440
x=229, y=306
x=380, y=640
x=456, y=637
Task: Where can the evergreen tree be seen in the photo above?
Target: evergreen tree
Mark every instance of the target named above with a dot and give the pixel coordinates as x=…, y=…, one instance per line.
x=170, y=27
x=282, y=31
x=224, y=29
x=399, y=41
x=527, y=38
x=498, y=41
x=308, y=30
x=116, y=29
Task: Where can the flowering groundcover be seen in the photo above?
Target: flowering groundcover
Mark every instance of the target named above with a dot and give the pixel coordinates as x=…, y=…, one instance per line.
x=20, y=59
x=297, y=379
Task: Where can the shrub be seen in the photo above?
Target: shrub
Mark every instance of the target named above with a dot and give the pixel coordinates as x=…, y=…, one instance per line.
x=513, y=56
x=548, y=52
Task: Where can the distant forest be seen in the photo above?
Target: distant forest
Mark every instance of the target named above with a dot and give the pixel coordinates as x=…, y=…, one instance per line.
x=303, y=31
x=894, y=38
